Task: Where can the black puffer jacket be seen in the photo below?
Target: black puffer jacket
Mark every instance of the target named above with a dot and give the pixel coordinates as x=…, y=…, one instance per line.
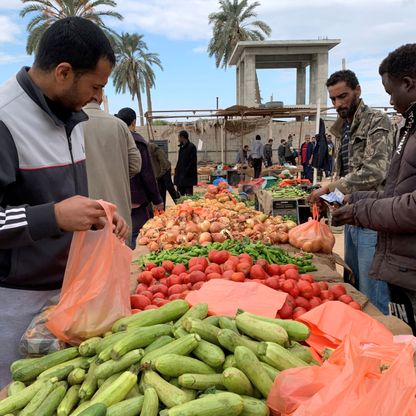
x=186, y=173
x=393, y=213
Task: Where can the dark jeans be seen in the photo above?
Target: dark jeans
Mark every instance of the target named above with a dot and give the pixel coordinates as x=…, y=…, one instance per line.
x=186, y=190
x=268, y=161
x=307, y=171
x=257, y=167
x=164, y=184
x=139, y=217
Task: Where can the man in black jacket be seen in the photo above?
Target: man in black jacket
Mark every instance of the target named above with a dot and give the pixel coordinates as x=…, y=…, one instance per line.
x=43, y=182
x=186, y=173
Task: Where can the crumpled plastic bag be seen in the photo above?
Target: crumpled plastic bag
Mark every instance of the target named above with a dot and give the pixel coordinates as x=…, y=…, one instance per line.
x=96, y=287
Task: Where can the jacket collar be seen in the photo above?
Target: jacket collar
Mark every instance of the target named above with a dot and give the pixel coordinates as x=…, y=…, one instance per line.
x=336, y=129
x=36, y=95
x=92, y=106
x=410, y=115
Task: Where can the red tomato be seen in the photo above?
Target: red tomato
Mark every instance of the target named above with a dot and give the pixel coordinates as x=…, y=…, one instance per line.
x=291, y=300
x=287, y=286
x=346, y=299
x=298, y=311
x=214, y=276
x=175, y=296
x=292, y=274
x=168, y=265
x=257, y=272
x=134, y=311
x=198, y=260
x=355, y=305
x=159, y=295
x=245, y=258
x=147, y=294
x=197, y=285
x=141, y=287
x=308, y=277
x=230, y=265
x=302, y=302
x=151, y=307
x=176, y=289
x=314, y=302
x=323, y=285
x=238, y=277
x=212, y=256
x=158, y=287
x=338, y=290
x=196, y=268
x=273, y=269
x=139, y=301
x=326, y=294
x=145, y=278
x=227, y=274
x=197, y=276
x=285, y=311
x=262, y=263
x=178, y=269
x=213, y=268
x=234, y=259
x=158, y=272
x=150, y=266
x=173, y=279
x=295, y=292
x=285, y=267
x=160, y=301
x=316, y=289
x=222, y=256
x=243, y=267
x=272, y=282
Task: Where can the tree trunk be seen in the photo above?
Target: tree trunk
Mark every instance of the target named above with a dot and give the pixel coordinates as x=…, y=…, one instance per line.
x=149, y=97
x=139, y=100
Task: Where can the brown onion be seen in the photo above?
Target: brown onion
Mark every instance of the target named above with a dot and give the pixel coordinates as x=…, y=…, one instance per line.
x=215, y=227
x=218, y=237
x=204, y=226
x=205, y=238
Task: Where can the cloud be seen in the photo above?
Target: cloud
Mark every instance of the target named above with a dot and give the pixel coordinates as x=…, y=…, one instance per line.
x=200, y=49
x=10, y=4
x=7, y=58
x=9, y=30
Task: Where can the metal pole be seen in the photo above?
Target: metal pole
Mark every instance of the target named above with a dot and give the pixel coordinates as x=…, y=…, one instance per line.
x=318, y=116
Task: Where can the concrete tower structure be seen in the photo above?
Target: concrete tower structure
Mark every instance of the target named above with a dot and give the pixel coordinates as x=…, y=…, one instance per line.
x=250, y=55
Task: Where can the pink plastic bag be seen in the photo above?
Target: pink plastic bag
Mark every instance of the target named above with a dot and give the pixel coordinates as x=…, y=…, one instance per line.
x=96, y=287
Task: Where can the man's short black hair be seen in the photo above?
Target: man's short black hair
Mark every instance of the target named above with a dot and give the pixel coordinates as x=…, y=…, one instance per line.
x=258, y=137
x=270, y=140
x=400, y=63
x=75, y=40
x=282, y=140
x=127, y=114
x=344, y=75
x=184, y=134
x=246, y=145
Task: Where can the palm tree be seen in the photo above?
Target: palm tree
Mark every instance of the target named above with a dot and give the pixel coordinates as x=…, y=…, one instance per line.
x=133, y=71
x=149, y=60
x=231, y=25
x=49, y=11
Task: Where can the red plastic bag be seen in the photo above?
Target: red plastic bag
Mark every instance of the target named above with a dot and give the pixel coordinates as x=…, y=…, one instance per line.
x=96, y=287
x=373, y=380
x=313, y=235
x=332, y=321
x=224, y=297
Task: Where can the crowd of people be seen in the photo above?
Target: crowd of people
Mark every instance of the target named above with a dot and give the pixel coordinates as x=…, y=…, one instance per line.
x=66, y=153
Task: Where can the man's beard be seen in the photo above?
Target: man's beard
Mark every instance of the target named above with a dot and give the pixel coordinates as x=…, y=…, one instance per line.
x=350, y=111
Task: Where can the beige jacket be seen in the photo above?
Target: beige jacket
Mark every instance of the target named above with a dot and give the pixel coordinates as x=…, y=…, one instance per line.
x=112, y=159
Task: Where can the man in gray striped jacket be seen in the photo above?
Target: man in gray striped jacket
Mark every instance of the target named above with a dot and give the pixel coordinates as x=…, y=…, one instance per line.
x=43, y=183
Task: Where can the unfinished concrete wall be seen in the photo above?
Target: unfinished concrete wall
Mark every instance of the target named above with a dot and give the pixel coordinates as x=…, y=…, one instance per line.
x=210, y=134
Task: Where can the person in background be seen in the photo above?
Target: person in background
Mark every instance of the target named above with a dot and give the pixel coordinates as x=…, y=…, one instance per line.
x=43, y=181
x=186, y=171
x=268, y=153
x=306, y=153
x=331, y=148
x=281, y=152
x=290, y=153
x=163, y=172
x=256, y=155
x=242, y=156
x=363, y=155
x=144, y=189
x=392, y=212
x=112, y=157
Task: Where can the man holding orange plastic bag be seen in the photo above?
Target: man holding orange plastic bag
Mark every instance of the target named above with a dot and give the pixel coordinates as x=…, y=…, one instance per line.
x=43, y=184
x=365, y=145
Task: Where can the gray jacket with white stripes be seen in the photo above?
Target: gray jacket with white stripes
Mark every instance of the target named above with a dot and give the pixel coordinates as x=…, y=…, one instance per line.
x=42, y=161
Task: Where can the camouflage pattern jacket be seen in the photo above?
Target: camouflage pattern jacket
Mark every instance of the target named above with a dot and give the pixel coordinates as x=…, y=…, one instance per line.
x=369, y=151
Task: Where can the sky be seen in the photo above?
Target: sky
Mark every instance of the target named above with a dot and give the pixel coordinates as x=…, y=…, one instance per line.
x=179, y=32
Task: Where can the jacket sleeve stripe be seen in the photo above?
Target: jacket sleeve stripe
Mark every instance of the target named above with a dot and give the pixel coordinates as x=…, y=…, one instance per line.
x=15, y=225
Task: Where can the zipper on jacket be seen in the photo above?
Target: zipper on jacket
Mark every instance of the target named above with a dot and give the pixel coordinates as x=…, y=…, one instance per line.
x=73, y=164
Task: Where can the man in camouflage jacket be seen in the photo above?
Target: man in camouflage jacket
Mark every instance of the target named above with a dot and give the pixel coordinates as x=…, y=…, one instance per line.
x=364, y=139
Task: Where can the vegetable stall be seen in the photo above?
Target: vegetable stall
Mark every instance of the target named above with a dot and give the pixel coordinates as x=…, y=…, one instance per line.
x=177, y=354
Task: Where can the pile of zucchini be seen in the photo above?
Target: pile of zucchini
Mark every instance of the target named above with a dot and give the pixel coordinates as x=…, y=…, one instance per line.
x=171, y=361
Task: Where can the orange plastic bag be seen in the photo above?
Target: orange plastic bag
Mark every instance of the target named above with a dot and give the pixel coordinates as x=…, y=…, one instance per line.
x=96, y=286
x=331, y=322
x=313, y=235
x=224, y=297
x=352, y=382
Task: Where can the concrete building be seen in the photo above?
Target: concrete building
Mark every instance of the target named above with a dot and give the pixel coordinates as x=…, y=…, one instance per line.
x=251, y=55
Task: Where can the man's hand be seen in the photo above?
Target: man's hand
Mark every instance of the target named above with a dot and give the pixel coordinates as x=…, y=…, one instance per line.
x=79, y=213
x=343, y=215
x=120, y=227
x=316, y=194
